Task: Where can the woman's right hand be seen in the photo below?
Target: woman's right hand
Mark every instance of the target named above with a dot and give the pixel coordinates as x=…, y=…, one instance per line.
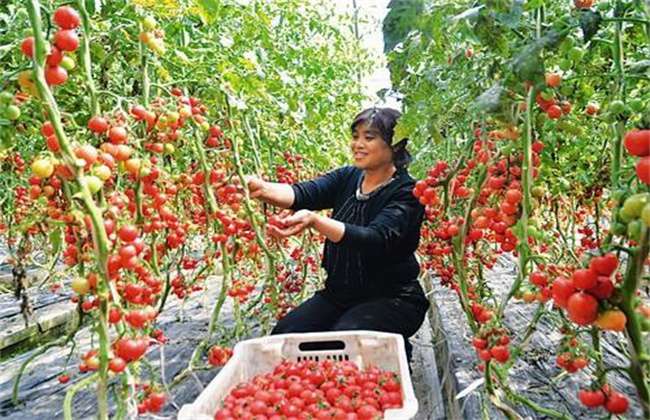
x=256, y=186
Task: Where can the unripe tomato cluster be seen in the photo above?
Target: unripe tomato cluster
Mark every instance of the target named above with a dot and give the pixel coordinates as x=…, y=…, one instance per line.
x=325, y=389
x=152, y=36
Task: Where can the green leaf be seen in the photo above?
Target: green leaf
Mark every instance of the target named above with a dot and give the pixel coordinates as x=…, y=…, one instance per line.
x=401, y=19
x=528, y=64
x=208, y=9
x=56, y=239
x=639, y=66
x=512, y=18
x=590, y=23
x=491, y=100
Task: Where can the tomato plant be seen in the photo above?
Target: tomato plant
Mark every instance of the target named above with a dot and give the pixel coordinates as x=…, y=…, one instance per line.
x=528, y=148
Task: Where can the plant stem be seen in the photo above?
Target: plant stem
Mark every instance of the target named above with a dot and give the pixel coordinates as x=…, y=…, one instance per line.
x=85, y=57
x=99, y=236
x=636, y=343
x=526, y=185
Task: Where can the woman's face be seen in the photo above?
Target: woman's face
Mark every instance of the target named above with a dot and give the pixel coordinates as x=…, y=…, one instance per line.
x=369, y=150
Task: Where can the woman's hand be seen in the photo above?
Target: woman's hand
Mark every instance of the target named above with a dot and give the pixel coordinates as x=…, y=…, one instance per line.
x=293, y=225
x=257, y=187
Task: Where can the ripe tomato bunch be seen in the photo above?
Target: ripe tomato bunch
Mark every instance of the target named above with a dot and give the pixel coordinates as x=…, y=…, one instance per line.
x=637, y=143
x=314, y=390
x=580, y=295
x=572, y=354
x=64, y=40
x=613, y=401
x=290, y=173
x=492, y=343
x=218, y=355
x=546, y=98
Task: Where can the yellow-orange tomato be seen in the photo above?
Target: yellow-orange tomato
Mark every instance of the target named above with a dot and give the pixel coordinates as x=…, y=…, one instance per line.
x=611, y=320
x=80, y=285
x=529, y=297
x=132, y=166
x=42, y=168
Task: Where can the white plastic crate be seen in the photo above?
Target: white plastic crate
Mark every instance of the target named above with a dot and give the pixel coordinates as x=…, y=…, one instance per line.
x=261, y=355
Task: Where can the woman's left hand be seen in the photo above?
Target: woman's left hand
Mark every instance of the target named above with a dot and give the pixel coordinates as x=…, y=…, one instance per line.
x=293, y=225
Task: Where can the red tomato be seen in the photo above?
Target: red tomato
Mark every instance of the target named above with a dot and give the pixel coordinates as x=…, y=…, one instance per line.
x=591, y=399
x=538, y=279
x=617, y=403
x=582, y=308
x=117, y=364
x=98, y=124
x=500, y=353
x=66, y=17
x=605, y=265
x=27, y=46
x=66, y=40
x=55, y=75
x=637, y=142
x=561, y=290
x=643, y=169
x=127, y=233
x=584, y=278
x=117, y=135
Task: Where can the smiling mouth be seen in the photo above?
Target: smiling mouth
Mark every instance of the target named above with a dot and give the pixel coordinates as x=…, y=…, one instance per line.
x=359, y=155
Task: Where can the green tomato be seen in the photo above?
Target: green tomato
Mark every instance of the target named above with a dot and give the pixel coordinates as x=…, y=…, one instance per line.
x=532, y=231
x=566, y=89
x=94, y=183
x=619, y=229
x=546, y=94
x=637, y=105
x=567, y=44
x=68, y=63
x=635, y=229
x=618, y=195
x=566, y=64
x=6, y=97
x=633, y=206
x=538, y=192
x=616, y=107
x=645, y=215
x=169, y=149
x=603, y=6
x=149, y=23
x=576, y=54
x=587, y=89
x=12, y=112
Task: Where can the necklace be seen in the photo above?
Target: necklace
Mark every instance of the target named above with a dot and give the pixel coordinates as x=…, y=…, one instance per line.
x=363, y=196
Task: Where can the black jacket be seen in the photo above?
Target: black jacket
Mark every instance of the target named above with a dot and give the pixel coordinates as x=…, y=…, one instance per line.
x=376, y=256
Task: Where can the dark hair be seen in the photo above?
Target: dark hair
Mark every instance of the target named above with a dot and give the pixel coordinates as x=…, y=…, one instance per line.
x=384, y=121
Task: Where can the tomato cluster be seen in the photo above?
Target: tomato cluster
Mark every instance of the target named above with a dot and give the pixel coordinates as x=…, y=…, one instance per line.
x=218, y=355
x=314, y=390
x=581, y=294
x=491, y=344
x=64, y=40
x=613, y=401
x=637, y=143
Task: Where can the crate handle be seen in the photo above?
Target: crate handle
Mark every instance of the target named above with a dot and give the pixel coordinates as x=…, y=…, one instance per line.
x=321, y=345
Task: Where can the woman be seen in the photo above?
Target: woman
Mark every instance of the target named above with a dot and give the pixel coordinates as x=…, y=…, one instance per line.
x=371, y=237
